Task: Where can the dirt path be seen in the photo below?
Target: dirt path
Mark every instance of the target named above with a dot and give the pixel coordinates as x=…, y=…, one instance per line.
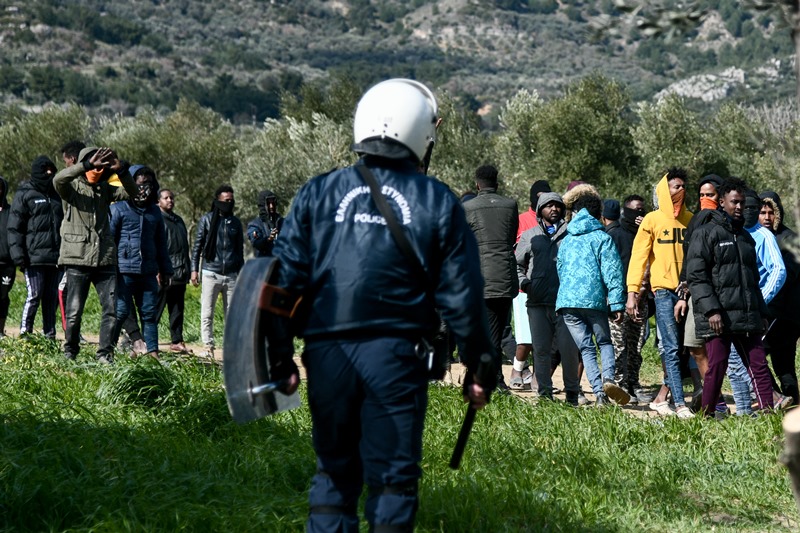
x=454, y=377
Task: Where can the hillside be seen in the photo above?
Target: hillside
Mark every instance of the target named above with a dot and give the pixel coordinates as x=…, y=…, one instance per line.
x=237, y=56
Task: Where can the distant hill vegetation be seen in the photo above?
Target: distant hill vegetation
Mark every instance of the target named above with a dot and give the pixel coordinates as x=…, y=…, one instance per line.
x=238, y=56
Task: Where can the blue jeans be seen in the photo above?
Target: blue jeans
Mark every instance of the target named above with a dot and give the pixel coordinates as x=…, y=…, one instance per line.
x=670, y=342
x=582, y=325
x=141, y=289
x=740, y=383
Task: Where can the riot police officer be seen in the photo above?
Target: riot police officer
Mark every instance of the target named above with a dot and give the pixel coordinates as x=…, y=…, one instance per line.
x=367, y=315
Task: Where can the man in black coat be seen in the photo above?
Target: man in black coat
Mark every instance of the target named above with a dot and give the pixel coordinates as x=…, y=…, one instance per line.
x=494, y=220
x=264, y=229
x=34, y=239
x=722, y=274
x=172, y=297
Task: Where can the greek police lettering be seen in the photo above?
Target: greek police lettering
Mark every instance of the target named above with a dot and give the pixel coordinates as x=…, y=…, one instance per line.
x=347, y=200
x=677, y=236
x=401, y=202
x=725, y=243
x=366, y=218
x=390, y=192
x=40, y=201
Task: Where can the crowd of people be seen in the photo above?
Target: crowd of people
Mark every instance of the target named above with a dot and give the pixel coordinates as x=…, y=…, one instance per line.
x=591, y=272
x=106, y=222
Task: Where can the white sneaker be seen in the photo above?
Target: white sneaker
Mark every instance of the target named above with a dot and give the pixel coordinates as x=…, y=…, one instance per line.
x=684, y=412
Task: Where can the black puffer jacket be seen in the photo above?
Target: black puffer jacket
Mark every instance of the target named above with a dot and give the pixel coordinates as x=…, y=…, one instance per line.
x=5, y=211
x=494, y=220
x=723, y=277
x=178, y=246
x=34, y=224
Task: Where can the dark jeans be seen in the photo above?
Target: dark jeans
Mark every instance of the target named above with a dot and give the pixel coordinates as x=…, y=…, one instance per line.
x=172, y=298
x=141, y=290
x=367, y=400
x=105, y=283
x=42, y=283
x=498, y=313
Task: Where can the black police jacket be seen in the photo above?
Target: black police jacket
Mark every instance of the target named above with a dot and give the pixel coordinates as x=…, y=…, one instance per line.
x=337, y=252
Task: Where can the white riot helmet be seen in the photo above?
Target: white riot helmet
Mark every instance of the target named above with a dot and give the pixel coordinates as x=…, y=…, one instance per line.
x=398, y=109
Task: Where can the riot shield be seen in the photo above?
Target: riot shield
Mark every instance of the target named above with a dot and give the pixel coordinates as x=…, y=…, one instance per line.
x=250, y=391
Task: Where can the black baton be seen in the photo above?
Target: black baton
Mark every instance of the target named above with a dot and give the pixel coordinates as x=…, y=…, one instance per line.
x=485, y=368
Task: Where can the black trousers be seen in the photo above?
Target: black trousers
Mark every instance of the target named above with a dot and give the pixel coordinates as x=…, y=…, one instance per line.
x=173, y=299
x=497, y=311
x=105, y=283
x=781, y=345
x=7, y=275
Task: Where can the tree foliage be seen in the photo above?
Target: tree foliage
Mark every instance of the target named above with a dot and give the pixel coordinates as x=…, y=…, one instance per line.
x=25, y=136
x=588, y=133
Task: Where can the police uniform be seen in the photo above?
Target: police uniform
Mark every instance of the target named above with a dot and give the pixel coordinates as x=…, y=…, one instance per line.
x=366, y=313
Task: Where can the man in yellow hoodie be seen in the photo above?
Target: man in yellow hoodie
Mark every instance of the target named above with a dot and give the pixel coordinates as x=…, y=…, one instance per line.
x=659, y=242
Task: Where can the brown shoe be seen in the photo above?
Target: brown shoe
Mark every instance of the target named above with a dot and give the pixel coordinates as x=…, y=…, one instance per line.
x=153, y=354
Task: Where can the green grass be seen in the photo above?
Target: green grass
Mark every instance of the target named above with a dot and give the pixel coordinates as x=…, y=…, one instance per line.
x=146, y=446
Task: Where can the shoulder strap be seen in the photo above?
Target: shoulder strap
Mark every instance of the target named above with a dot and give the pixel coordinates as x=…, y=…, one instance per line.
x=394, y=227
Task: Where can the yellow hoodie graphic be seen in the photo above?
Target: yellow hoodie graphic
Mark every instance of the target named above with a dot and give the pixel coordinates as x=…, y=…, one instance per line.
x=659, y=241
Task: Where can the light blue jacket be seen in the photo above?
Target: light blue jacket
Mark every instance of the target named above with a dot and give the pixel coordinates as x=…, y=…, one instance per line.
x=771, y=268
x=589, y=267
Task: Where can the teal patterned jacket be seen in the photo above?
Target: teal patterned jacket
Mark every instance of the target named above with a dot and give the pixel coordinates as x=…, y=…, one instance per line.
x=589, y=267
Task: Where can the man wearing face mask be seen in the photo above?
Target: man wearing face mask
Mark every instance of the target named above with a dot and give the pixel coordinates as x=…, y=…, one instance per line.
x=220, y=245
x=87, y=250
x=628, y=335
x=659, y=242
x=34, y=240
x=723, y=276
x=264, y=229
x=142, y=256
x=709, y=202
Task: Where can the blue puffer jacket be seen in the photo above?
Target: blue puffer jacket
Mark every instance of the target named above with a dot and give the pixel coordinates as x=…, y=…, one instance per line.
x=589, y=267
x=141, y=239
x=337, y=252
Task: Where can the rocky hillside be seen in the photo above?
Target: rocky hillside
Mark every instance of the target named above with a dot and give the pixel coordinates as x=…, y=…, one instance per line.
x=237, y=56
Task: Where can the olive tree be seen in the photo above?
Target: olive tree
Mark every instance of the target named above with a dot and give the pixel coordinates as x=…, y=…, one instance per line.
x=27, y=135
x=286, y=153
